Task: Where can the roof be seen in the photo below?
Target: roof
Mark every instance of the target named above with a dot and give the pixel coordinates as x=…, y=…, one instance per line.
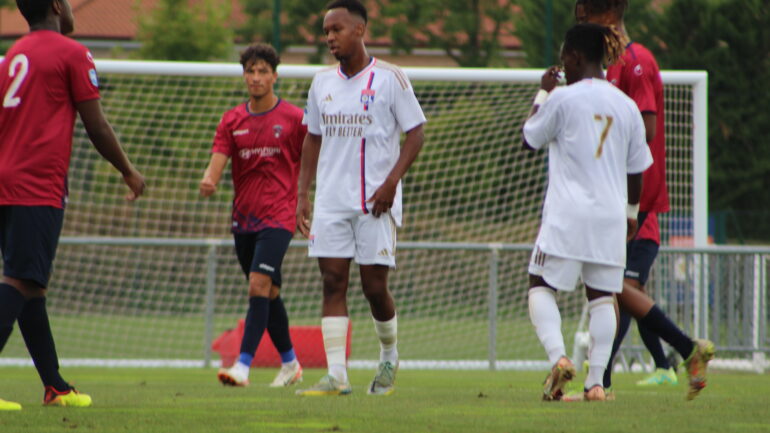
x=95, y=19
x=117, y=20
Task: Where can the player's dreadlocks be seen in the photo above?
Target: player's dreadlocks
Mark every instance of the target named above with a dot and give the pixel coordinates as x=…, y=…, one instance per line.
x=594, y=7
x=598, y=43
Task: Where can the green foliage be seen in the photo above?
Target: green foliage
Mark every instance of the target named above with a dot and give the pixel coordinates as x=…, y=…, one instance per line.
x=179, y=30
x=467, y=31
x=301, y=22
x=531, y=29
x=731, y=40
x=6, y=3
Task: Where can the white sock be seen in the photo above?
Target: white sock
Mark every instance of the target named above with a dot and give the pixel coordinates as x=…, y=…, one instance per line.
x=602, y=326
x=335, y=333
x=545, y=315
x=387, y=332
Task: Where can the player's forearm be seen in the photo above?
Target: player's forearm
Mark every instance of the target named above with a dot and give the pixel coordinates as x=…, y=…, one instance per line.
x=311, y=148
x=634, y=188
x=106, y=143
x=216, y=167
x=409, y=151
x=102, y=136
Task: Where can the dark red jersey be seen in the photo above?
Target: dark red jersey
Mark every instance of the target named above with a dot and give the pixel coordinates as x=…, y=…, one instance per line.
x=265, y=149
x=638, y=76
x=42, y=77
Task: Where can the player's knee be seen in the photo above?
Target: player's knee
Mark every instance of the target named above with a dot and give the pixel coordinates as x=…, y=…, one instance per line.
x=260, y=284
x=334, y=281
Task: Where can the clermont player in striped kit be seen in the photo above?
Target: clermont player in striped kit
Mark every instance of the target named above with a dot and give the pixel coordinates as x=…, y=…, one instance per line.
x=355, y=114
x=263, y=136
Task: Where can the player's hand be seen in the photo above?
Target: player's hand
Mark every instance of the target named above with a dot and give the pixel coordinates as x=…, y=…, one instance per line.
x=303, y=216
x=207, y=187
x=383, y=198
x=550, y=79
x=135, y=182
x=633, y=226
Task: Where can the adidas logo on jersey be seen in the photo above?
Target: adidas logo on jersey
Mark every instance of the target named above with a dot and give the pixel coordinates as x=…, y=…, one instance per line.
x=328, y=98
x=384, y=253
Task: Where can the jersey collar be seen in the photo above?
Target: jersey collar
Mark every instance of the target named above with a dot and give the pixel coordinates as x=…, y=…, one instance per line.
x=372, y=62
x=248, y=110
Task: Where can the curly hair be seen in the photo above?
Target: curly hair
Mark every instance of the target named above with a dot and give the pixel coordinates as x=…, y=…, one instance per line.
x=260, y=51
x=598, y=43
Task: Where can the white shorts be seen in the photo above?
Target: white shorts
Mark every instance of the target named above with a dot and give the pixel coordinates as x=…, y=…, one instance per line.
x=563, y=274
x=365, y=238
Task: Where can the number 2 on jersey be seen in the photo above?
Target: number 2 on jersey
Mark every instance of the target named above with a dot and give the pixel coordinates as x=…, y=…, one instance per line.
x=606, y=123
x=18, y=71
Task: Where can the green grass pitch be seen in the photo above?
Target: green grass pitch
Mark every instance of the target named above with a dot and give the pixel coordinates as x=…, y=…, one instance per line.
x=191, y=400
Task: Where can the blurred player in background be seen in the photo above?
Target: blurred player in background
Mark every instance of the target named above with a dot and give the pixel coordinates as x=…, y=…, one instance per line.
x=264, y=138
x=596, y=155
x=637, y=75
x=355, y=114
x=45, y=79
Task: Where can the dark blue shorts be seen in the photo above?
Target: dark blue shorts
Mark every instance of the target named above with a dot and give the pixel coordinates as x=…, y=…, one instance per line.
x=263, y=252
x=640, y=255
x=29, y=236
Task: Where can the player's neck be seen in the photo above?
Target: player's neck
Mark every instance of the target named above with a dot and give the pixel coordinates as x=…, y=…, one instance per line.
x=51, y=23
x=263, y=104
x=593, y=71
x=355, y=63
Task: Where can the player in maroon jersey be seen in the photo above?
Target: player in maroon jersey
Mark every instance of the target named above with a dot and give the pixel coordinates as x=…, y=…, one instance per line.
x=263, y=136
x=637, y=74
x=45, y=79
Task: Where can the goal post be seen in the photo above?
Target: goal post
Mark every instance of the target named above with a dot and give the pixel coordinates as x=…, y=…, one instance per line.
x=155, y=280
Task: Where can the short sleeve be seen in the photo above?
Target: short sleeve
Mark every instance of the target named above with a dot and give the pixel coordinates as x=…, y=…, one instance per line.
x=223, y=139
x=312, y=117
x=543, y=127
x=405, y=107
x=299, y=139
x=83, y=80
x=639, y=155
x=641, y=78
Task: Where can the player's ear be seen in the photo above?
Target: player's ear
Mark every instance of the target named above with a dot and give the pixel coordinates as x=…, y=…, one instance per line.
x=361, y=28
x=58, y=7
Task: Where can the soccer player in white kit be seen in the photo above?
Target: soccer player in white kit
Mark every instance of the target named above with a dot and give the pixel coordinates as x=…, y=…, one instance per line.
x=355, y=114
x=596, y=155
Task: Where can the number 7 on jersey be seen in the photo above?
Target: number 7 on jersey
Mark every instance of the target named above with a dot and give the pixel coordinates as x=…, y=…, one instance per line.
x=605, y=122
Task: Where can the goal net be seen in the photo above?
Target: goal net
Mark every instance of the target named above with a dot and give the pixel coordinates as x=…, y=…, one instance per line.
x=153, y=282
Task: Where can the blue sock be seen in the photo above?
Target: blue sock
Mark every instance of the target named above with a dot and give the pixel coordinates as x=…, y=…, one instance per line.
x=245, y=359
x=278, y=327
x=289, y=356
x=36, y=330
x=256, y=322
x=11, y=304
x=625, y=322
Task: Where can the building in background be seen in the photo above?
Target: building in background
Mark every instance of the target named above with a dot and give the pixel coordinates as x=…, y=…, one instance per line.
x=109, y=27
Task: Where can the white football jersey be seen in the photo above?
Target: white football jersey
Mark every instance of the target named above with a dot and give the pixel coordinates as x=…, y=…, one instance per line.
x=597, y=138
x=360, y=119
